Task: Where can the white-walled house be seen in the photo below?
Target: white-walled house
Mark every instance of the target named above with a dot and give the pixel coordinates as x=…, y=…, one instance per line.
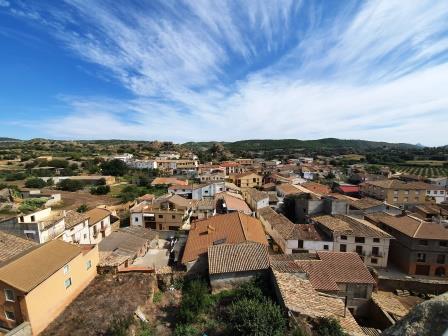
x=290, y=237
x=437, y=193
x=198, y=191
x=99, y=224
x=256, y=199
x=143, y=164
x=350, y=234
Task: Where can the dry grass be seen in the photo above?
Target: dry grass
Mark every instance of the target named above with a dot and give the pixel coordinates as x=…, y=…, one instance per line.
x=106, y=299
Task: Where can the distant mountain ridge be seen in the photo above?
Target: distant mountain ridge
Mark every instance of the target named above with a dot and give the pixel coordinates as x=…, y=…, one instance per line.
x=5, y=139
x=329, y=143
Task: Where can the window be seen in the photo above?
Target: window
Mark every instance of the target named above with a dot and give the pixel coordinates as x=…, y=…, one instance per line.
x=406, y=199
x=361, y=240
x=9, y=295
x=33, y=218
x=343, y=248
x=66, y=269
x=423, y=242
x=300, y=244
x=135, y=219
x=359, y=249
x=173, y=216
x=395, y=199
x=10, y=315
x=406, y=192
x=443, y=243
x=360, y=292
x=254, y=180
x=374, y=261
x=421, y=257
x=68, y=283
x=85, y=235
x=325, y=247
x=160, y=216
x=376, y=251
x=376, y=240
x=88, y=264
x=343, y=237
x=417, y=192
x=441, y=259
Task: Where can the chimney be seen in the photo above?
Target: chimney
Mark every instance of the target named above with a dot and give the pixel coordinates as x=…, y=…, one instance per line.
x=210, y=229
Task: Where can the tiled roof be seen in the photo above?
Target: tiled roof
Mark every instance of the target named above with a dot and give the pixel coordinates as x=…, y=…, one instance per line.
x=364, y=203
x=167, y=180
x=36, y=266
x=347, y=225
x=206, y=203
x=11, y=245
x=397, y=184
x=412, y=227
x=97, y=214
x=230, y=228
x=234, y=203
x=317, y=188
x=257, y=195
x=278, y=222
x=299, y=296
x=73, y=218
x=288, y=189
x=228, y=258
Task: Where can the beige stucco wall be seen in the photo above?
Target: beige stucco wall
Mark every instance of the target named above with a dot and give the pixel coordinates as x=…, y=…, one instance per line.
x=45, y=302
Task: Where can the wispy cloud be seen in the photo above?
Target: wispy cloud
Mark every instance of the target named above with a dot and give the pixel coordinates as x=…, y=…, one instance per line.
x=257, y=69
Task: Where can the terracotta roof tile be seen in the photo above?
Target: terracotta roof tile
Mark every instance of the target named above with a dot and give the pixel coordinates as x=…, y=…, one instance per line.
x=227, y=258
x=232, y=228
x=11, y=245
x=317, y=188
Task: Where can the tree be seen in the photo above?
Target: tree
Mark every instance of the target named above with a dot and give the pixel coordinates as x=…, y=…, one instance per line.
x=114, y=167
x=58, y=163
x=70, y=185
x=253, y=317
x=194, y=300
x=35, y=182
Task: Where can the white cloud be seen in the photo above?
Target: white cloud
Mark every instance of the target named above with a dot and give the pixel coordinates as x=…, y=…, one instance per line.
x=378, y=73
x=4, y=3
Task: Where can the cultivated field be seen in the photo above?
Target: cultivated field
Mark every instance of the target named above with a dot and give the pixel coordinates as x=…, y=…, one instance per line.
x=423, y=171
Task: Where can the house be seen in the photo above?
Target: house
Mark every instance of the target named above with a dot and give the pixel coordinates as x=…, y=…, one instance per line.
x=437, y=193
x=286, y=189
x=178, y=166
x=86, y=179
x=245, y=162
x=170, y=212
x=12, y=245
x=256, y=199
x=350, y=234
x=143, y=164
x=439, y=181
x=430, y=213
x=211, y=177
x=231, y=228
x=163, y=181
x=76, y=228
x=100, y=224
x=419, y=247
x=298, y=297
x=203, y=208
x=229, y=202
x=395, y=192
x=232, y=264
x=309, y=204
x=197, y=191
x=290, y=237
x=122, y=247
x=232, y=167
x=39, y=284
x=125, y=157
x=169, y=155
x=246, y=180
x=341, y=274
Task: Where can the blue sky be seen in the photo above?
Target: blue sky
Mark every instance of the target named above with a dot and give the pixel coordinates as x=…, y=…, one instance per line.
x=224, y=70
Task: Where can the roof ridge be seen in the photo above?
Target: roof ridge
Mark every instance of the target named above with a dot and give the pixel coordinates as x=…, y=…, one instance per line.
x=242, y=226
x=418, y=228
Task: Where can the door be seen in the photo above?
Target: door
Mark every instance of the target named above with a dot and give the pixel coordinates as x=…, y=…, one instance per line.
x=422, y=269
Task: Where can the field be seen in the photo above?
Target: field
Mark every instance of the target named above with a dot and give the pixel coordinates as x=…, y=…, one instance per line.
x=423, y=171
x=426, y=163
x=352, y=157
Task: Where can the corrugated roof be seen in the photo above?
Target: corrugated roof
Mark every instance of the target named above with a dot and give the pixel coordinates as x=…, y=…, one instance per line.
x=227, y=258
x=36, y=266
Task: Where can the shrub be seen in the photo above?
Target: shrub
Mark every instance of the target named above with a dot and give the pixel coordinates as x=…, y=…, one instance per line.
x=58, y=163
x=32, y=204
x=82, y=208
x=35, y=182
x=15, y=176
x=157, y=297
x=194, y=300
x=70, y=185
x=100, y=190
x=329, y=327
x=253, y=317
x=186, y=330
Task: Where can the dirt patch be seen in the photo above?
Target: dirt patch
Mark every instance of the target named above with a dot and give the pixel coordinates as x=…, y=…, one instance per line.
x=162, y=314
x=107, y=299
x=72, y=200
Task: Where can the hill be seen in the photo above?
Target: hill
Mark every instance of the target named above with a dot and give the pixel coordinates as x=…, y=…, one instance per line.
x=327, y=143
x=4, y=139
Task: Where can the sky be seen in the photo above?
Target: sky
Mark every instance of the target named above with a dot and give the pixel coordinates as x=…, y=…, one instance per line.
x=224, y=70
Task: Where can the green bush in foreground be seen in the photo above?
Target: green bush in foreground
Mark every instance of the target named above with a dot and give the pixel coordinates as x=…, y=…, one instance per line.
x=35, y=182
x=253, y=317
